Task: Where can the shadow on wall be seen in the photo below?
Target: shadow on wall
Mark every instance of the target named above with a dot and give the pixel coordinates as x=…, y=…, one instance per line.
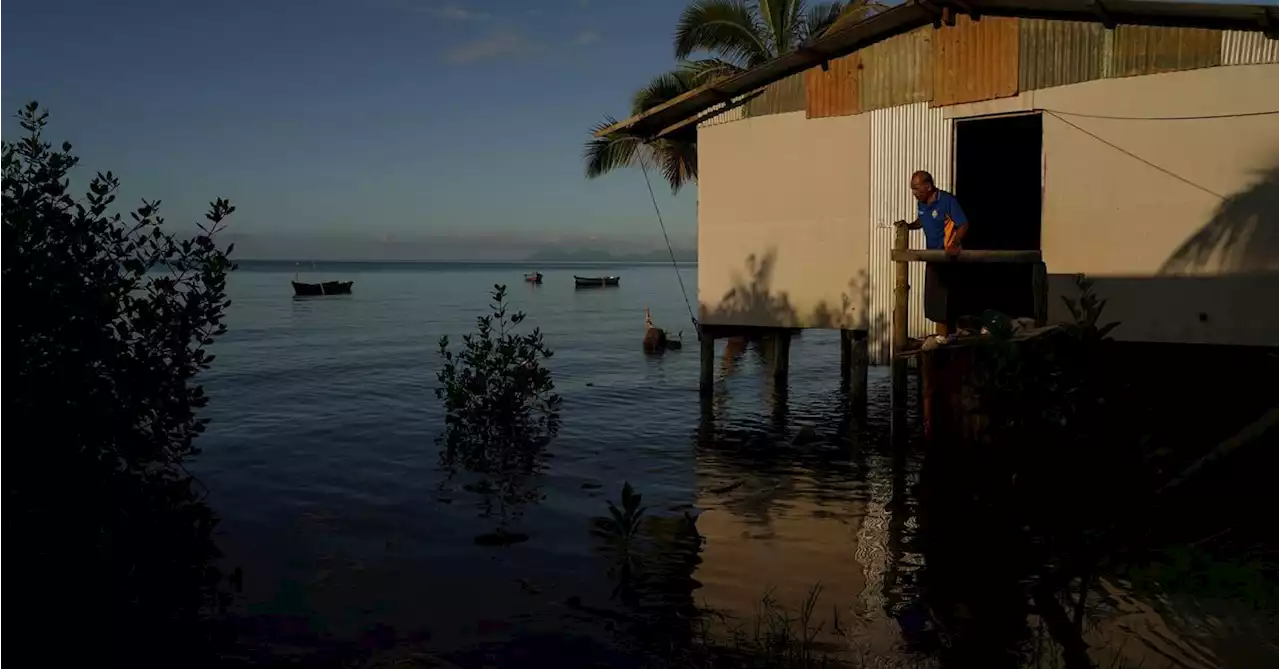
x=1240, y=238
x=753, y=301
x=1218, y=287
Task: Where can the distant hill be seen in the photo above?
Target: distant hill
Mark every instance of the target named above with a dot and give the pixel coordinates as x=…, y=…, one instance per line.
x=598, y=255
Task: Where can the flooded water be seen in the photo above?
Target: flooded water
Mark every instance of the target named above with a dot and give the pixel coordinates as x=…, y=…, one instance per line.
x=321, y=459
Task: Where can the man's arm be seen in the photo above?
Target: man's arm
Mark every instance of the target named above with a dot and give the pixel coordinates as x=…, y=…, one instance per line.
x=913, y=225
x=960, y=225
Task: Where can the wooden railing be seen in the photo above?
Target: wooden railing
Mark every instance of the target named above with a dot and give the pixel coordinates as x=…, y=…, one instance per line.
x=902, y=254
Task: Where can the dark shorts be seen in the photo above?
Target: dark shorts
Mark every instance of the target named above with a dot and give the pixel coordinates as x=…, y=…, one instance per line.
x=940, y=304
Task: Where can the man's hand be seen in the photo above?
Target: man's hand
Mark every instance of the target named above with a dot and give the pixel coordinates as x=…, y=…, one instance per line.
x=913, y=225
x=953, y=250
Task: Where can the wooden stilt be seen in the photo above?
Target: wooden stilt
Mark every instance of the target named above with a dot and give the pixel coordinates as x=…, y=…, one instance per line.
x=846, y=356
x=781, y=355
x=901, y=289
x=859, y=360
x=706, y=376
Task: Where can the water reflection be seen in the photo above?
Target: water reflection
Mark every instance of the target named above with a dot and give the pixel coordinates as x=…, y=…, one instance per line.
x=785, y=507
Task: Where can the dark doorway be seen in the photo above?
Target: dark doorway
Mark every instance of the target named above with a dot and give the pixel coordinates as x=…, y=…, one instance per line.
x=998, y=185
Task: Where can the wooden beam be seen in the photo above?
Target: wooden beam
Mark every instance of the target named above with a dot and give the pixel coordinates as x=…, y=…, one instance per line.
x=968, y=9
x=922, y=255
x=1268, y=23
x=1099, y=10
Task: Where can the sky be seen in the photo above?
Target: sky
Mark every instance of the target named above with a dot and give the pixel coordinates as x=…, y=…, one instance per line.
x=353, y=119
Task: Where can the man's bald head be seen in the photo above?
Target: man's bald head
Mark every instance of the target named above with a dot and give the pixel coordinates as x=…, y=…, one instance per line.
x=922, y=185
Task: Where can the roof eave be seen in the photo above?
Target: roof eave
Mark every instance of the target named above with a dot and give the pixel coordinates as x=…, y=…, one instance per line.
x=678, y=112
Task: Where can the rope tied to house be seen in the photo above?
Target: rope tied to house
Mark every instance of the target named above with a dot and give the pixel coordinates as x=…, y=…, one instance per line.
x=697, y=328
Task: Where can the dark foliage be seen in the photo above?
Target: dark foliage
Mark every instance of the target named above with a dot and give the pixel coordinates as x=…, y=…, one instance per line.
x=501, y=409
x=106, y=330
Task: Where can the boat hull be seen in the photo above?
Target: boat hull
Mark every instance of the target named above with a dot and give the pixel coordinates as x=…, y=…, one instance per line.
x=595, y=281
x=319, y=289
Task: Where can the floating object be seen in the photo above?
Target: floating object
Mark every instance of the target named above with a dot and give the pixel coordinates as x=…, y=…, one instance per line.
x=533, y=277
x=324, y=288
x=595, y=281
x=656, y=339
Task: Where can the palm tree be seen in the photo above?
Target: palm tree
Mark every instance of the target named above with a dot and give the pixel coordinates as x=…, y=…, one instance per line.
x=737, y=35
x=741, y=34
x=676, y=155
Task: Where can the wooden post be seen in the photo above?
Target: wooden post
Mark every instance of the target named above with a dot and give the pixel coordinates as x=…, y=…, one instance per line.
x=706, y=376
x=901, y=238
x=846, y=356
x=1040, y=293
x=901, y=290
x=781, y=355
x=859, y=361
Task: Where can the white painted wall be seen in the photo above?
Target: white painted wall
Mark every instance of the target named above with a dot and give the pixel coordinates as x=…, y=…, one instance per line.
x=1130, y=200
x=1168, y=203
x=782, y=221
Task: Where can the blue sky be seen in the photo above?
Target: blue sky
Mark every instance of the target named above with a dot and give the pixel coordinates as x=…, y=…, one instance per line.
x=378, y=117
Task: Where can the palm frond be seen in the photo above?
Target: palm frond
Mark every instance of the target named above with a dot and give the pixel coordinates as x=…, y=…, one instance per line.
x=856, y=11
x=779, y=18
x=819, y=18
x=664, y=87
x=729, y=29
x=678, y=160
x=606, y=154
x=706, y=70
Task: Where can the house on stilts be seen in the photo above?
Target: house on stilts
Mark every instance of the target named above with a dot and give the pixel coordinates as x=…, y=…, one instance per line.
x=1131, y=141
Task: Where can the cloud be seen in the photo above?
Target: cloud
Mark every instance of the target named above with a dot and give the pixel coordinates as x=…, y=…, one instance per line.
x=497, y=44
x=586, y=37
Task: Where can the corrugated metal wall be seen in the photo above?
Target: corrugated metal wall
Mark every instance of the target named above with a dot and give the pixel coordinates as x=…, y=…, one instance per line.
x=975, y=60
x=1151, y=49
x=1057, y=53
x=903, y=139
x=898, y=71
x=834, y=92
x=780, y=97
x=1242, y=48
x=735, y=114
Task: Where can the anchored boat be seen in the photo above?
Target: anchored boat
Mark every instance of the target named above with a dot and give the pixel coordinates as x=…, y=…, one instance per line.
x=595, y=281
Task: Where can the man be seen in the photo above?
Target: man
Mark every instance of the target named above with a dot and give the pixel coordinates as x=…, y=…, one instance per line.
x=945, y=226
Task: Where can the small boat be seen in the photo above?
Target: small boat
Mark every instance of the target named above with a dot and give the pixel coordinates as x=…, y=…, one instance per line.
x=301, y=289
x=595, y=281
x=533, y=277
x=325, y=288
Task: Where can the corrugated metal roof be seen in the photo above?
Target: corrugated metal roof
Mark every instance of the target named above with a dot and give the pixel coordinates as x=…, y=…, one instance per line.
x=913, y=14
x=780, y=97
x=1057, y=53
x=1248, y=48
x=898, y=71
x=1150, y=49
x=834, y=92
x=975, y=60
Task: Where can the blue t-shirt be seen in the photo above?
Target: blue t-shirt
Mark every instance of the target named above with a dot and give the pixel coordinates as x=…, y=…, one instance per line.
x=933, y=217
